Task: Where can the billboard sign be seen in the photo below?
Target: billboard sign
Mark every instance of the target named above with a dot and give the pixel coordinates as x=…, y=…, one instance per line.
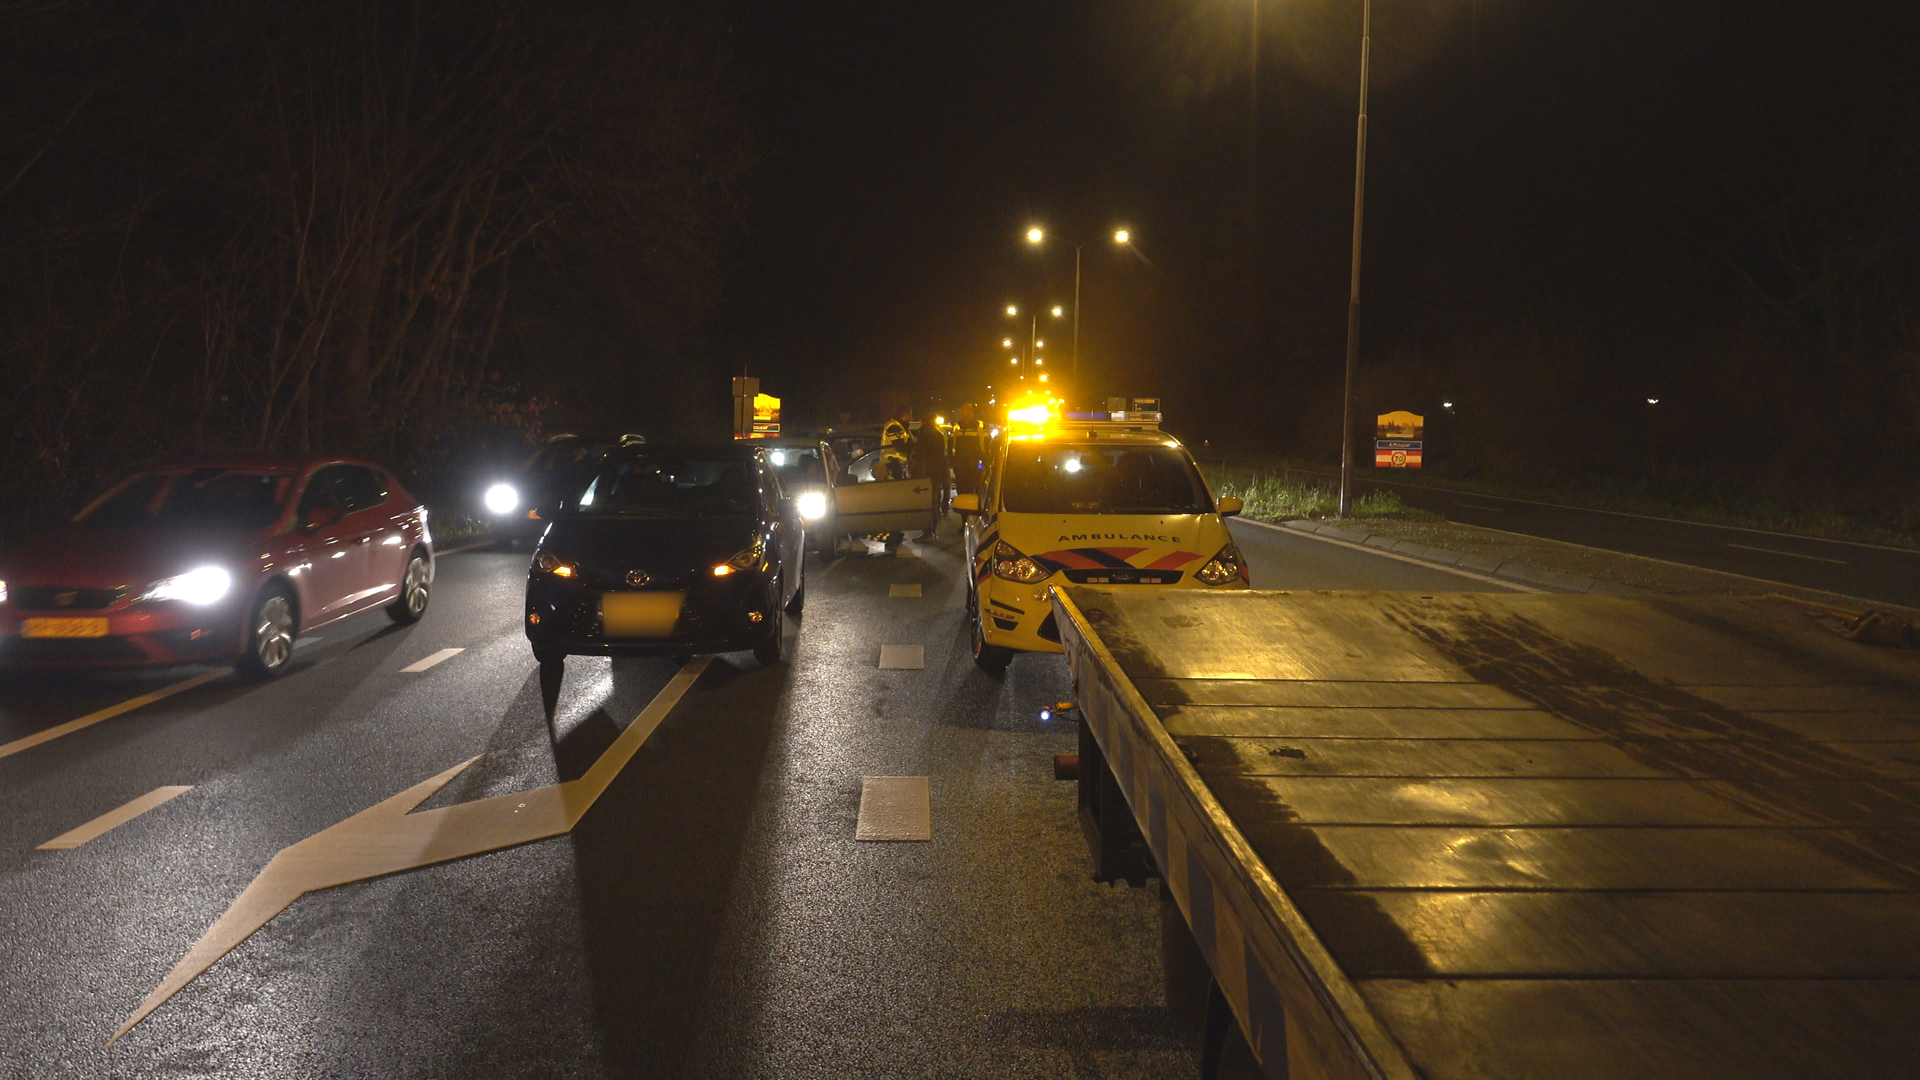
x=1399, y=438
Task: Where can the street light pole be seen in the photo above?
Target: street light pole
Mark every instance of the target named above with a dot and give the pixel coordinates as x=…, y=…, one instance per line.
x=1353, y=284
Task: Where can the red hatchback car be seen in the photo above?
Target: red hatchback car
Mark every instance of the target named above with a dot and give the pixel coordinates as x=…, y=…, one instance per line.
x=217, y=558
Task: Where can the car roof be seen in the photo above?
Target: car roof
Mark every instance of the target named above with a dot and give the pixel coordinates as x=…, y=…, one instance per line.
x=254, y=459
x=1074, y=434
x=741, y=450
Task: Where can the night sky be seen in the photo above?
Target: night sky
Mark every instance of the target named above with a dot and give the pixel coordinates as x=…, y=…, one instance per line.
x=1569, y=204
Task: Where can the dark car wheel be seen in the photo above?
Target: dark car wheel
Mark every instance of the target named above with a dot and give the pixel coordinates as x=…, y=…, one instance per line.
x=270, y=634
x=415, y=590
x=799, y=598
x=546, y=657
x=769, y=648
x=992, y=659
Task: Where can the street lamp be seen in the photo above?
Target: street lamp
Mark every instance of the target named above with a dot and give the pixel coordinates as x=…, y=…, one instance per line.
x=1353, y=280
x=1011, y=310
x=1037, y=236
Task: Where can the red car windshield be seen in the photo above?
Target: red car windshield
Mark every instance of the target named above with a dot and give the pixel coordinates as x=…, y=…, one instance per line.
x=191, y=498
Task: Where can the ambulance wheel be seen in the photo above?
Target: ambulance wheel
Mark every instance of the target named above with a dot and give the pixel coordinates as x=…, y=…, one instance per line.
x=991, y=659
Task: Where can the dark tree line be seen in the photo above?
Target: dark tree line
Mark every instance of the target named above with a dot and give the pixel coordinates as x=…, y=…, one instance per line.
x=347, y=225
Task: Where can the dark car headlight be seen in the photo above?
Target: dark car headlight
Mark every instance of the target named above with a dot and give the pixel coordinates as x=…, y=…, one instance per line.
x=752, y=558
x=200, y=587
x=553, y=564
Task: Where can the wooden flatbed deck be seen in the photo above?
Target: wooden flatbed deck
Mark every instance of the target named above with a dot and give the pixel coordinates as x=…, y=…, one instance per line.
x=1495, y=835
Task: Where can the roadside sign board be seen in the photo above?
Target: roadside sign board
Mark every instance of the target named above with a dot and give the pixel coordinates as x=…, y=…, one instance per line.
x=766, y=417
x=1398, y=440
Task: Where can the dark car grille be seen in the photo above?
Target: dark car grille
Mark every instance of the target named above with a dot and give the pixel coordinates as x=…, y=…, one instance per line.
x=1122, y=576
x=48, y=598
x=701, y=616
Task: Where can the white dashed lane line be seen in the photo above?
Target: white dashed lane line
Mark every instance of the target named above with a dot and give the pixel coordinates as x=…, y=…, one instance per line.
x=894, y=808
x=903, y=590
x=424, y=664
x=113, y=819
x=903, y=657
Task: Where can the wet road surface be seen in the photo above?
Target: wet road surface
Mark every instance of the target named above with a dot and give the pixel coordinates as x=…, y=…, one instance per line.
x=711, y=914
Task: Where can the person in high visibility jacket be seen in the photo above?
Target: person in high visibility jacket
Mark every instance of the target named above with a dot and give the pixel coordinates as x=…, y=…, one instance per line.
x=969, y=451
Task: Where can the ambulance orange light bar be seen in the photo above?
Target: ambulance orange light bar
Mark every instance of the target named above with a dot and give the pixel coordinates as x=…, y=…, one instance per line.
x=1032, y=414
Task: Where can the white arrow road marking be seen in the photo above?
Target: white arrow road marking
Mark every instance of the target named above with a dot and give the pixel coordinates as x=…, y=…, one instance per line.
x=386, y=839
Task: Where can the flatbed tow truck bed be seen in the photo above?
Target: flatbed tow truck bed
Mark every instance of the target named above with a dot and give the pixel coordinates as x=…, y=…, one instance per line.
x=1497, y=835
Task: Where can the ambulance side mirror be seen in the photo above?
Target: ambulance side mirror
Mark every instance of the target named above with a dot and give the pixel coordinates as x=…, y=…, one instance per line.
x=1229, y=506
x=966, y=504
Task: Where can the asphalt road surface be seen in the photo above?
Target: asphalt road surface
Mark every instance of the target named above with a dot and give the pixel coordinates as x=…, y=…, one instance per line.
x=710, y=915
x=1867, y=571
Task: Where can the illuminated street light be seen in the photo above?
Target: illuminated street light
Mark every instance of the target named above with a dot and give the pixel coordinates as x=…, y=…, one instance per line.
x=1011, y=310
x=1034, y=235
x=1653, y=401
x=1121, y=236
x=1008, y=343
x=1013, y=359
x=1056, y=311
x=1043, y=376
x=1038, y=362
x=1446, y=404
x=1039, y=344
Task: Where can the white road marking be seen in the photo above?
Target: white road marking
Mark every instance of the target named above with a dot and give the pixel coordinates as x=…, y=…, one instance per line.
x=27, y=742
x=387, y=838
x=903, y=590
x=113, y=819
x=1788, y=554
x=1476, y=506
x=424, y=664
x=894, y=808
x=903, y=657
x=1502, y=582
x=906, y=552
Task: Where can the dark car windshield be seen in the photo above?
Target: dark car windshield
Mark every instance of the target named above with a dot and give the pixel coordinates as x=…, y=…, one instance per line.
x=669, y=483
x=193, y=499
x=1091, y=478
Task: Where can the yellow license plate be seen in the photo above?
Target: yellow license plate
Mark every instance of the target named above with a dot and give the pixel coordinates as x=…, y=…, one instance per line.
x=64, y=628
x=639, y=614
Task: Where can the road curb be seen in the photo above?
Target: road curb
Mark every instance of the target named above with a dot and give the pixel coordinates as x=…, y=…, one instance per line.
x=1510, y=569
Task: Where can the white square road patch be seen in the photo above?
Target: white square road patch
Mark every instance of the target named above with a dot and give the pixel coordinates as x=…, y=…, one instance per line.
x=903, y=590
x=903, y=657
x=894, y=808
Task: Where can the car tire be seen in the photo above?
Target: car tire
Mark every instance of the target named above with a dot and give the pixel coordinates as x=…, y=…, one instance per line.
x=545, y=657
x=799, y=600
x=992, y=659
x=416, y=588
x=773, y=643
x=271, y=629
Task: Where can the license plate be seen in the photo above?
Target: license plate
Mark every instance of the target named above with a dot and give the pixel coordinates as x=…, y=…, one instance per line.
x=64, y=628
x=639, y=614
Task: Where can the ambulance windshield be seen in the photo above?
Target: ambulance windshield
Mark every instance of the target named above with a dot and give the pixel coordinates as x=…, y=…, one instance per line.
x=1102, y=478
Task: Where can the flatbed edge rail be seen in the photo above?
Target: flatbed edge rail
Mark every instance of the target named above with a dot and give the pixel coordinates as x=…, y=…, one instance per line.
x=1301, y=1015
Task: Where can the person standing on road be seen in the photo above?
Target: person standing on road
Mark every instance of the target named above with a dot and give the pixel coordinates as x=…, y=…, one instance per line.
x=969, y=451
x=930, y=447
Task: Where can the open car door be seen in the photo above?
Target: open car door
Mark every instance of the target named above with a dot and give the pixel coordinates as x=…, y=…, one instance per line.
x=868, y=499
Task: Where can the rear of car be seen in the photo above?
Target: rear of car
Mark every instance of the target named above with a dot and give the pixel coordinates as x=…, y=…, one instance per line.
x=1116, y=509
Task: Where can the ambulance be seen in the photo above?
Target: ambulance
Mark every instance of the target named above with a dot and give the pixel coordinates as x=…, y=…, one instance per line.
x=1107, y=500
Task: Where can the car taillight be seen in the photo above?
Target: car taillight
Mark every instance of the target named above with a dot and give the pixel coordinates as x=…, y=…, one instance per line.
x=1223, y=567
x=1008, y=563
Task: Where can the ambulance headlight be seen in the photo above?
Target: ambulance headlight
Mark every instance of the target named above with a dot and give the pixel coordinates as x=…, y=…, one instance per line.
x=1008, y=563
x=1223, y=567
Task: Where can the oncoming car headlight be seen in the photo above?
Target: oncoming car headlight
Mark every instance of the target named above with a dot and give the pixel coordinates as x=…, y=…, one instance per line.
x=502, y=499
x=811, y=504
x=202, y=586
x=1223, y=567
x=1008, y=563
